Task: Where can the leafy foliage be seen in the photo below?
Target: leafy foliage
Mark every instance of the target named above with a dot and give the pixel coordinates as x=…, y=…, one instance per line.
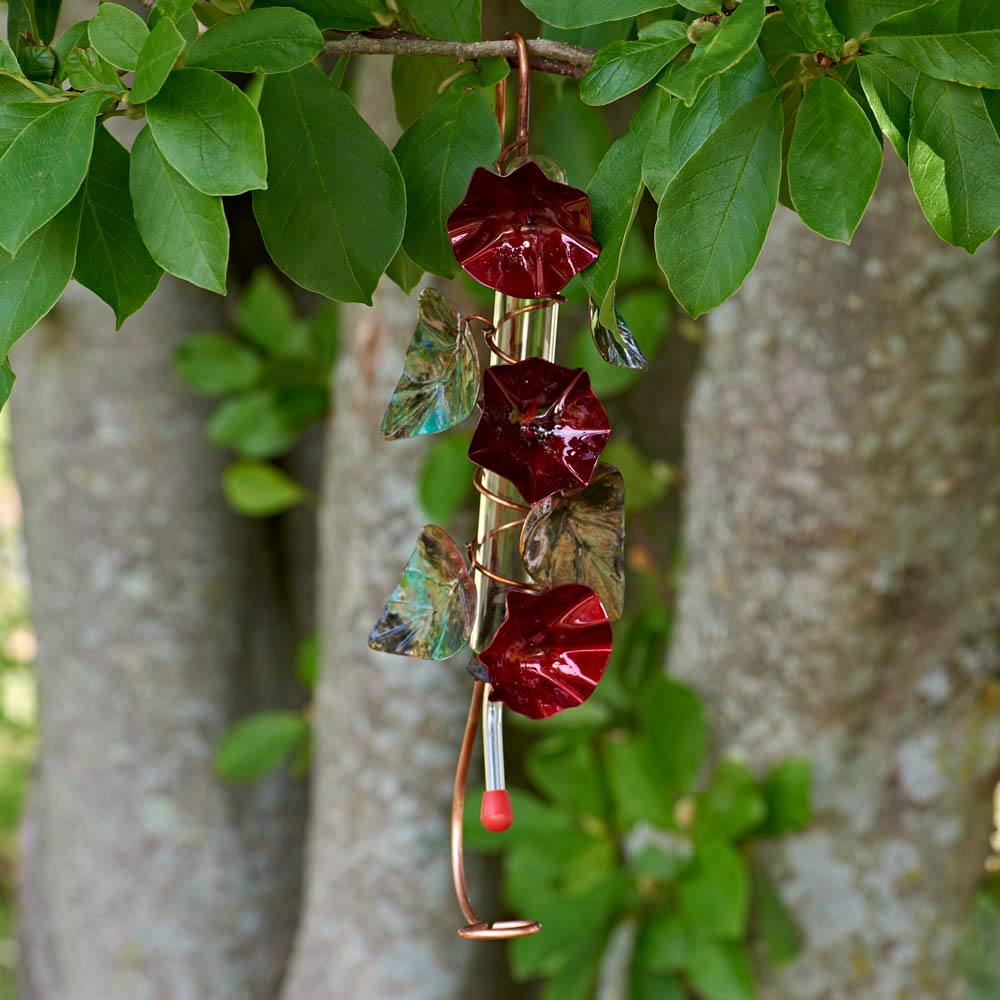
x=624, y=827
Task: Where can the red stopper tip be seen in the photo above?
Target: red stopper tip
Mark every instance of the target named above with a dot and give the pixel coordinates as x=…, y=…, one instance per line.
x=496, y=813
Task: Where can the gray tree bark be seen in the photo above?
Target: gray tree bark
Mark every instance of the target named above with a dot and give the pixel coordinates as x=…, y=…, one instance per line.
x=843, y=567
x=160, y=621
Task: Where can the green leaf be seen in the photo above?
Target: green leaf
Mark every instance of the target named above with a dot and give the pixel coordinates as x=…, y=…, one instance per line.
x=214, y=365
x=655, y=986
x=307, y=661
x=437, y=155
x=888, y=84
x=639, y=792
x=715, y=893
x=834, y=161
x=118, y=35
x=953, y=153
x=31, y=17
x=702, y=6
x=44, y=167
x=354, y=15
x=662, y=942
x=15, y=89
x=266, y=423
x=15, y=118
x=577, y=977
x=266, y=40
x=772, y=922
x=335, y=188
x=578, y=13
x=445, y=483
x=184, y=230
x=454, y=20
x=265, y=313
x=74, y=37
x=674, y=723
x=159, y=53
x=440, y=380
x=856, y=18
x=809, y=19
x=117, y=266
x=258, y=489
x=8, y=61
x=258, y=744
x=622, y=67
x=682, y=130
x=31, y=282
x=979, y=959
x=7, y=378
x=566, y=769
x=416, y=82
x=209, y=132
x=536, y=822
x=85, y=69
x=956, y=40
x=174, y=9
x=615, y=193
x=719, y=971
x=716, y=52
x=404, y=272
x=731, y=806
x=716, y=211
x=429, y=614
x=788, y=792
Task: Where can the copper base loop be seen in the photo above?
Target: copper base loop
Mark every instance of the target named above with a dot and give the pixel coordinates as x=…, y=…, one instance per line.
x=502, y=930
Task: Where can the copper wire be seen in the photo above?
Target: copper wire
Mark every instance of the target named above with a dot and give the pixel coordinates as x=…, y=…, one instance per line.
x=476, y=929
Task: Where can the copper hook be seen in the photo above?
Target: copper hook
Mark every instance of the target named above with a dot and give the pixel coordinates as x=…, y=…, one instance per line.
x=520, y=144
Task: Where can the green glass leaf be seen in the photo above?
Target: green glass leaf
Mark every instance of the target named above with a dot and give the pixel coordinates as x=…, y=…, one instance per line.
x=616, y=345
x=440, y=380
x=7, y=378
x=810, y=20
x=716, y=52
x=429, y=614
x=888, y=84
x=44, y=167
x=953, y=152
x=578, y=536
x=214, y=365
x=265, y=40
x=15, y=118
x=209, y=132
x=259, y=744
x=334, y=188
x=681, y=130
x=579, y=13
x=719, y=970
x=956, y=40
x=445, y=483
x=855, y=18
x=85, y=69
x=117, y=266
x=437, y=155
x=259, y=489
x=118, y=35
x=622, y=67
x=615, y=193
x=265, y=423
x=788, y=792
x=716, y=211
x=184, y=230
x=31, y=282
x=715, y=893
x=157, y=58
x=834, y=161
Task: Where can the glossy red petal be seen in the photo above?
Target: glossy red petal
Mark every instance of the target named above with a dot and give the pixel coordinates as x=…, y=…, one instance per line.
x=550, y=652
x=541, y=427
x=522, y=233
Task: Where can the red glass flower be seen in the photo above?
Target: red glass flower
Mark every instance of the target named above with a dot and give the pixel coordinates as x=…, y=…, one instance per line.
x=522, y=233
x=541, y=427
x=550, y=651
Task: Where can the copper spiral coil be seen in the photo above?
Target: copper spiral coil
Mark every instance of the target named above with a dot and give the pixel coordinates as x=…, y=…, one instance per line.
x=476, y=929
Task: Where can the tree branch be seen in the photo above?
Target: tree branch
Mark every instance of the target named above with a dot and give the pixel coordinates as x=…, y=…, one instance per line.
x=546, y=56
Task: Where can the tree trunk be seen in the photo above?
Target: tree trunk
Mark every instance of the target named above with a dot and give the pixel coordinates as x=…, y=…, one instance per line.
x=843, y=568
x=159, y=622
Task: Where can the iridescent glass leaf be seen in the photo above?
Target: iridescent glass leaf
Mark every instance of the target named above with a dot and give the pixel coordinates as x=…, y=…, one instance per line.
x=578, y=536
x=618, y=346
x=429, y=614
x=440, y=379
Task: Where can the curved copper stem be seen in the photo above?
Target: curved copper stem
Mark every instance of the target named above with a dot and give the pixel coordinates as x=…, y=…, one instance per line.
x=490, y=328
x=477, y=481
x=520, y=145
x=475, y=546
x=476, y=929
